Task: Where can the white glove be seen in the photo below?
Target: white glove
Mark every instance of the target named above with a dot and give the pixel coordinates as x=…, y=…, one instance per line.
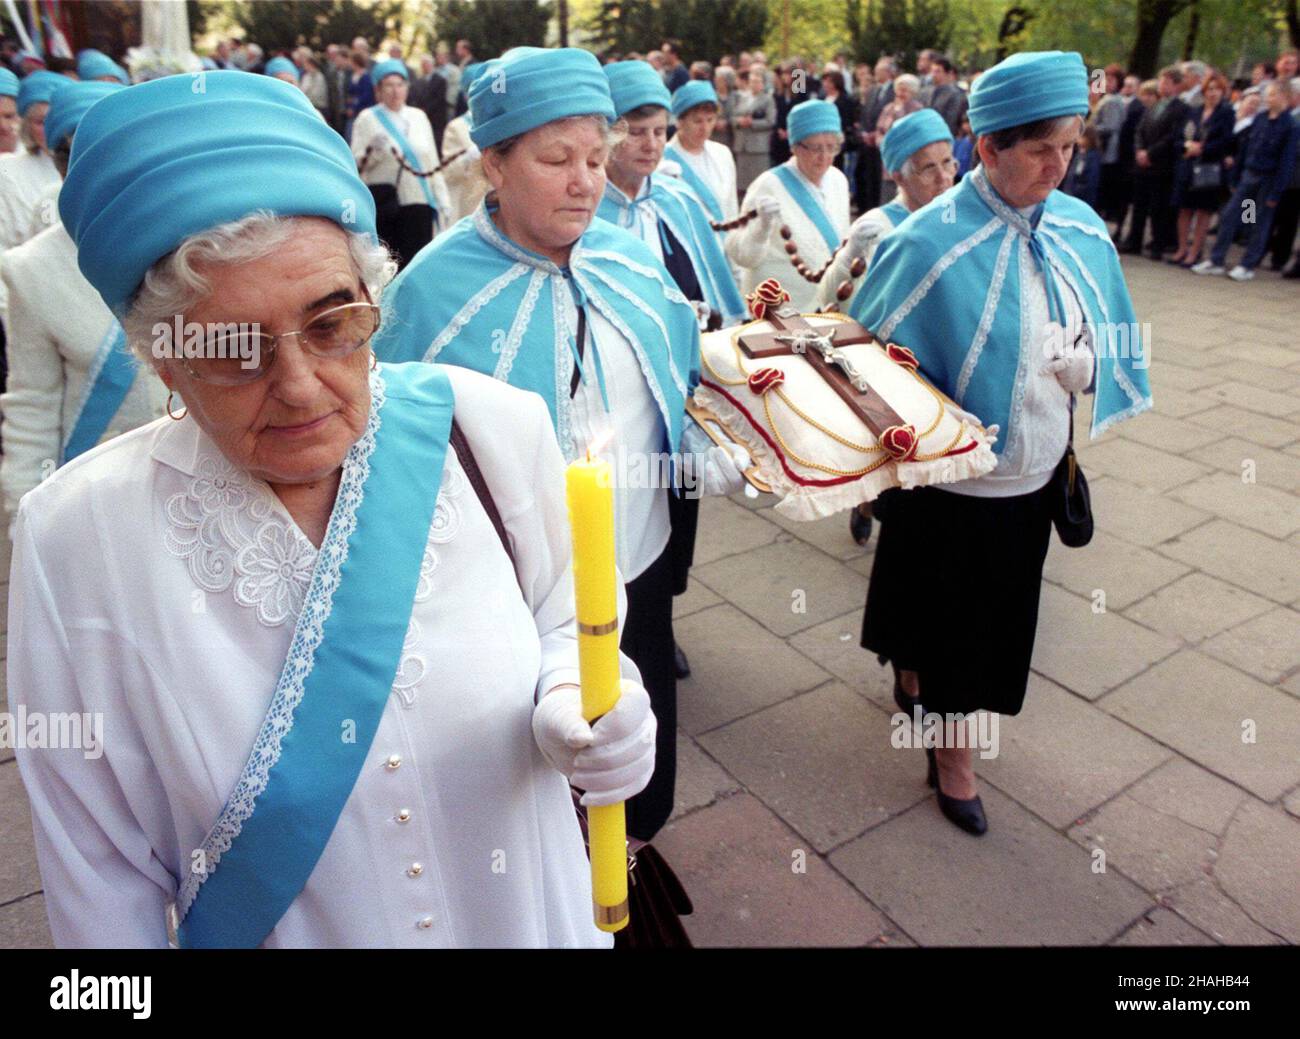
x=1072, y=365
x=862, y=236
x=611, y=760
x=769, y=212
x=966, y=416
x=724, y=469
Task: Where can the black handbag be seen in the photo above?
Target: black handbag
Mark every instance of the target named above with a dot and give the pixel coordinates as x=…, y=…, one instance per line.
x=1071, y=503
x=1206, y=175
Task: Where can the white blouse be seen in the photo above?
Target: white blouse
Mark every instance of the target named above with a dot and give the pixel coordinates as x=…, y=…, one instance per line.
x=383, y=168
x=55, y=325
x=24, y=179
x=716, y=166
x=158, y=586
x=761, y=255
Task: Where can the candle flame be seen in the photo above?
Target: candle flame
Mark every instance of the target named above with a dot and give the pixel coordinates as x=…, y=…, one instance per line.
x=599, y=444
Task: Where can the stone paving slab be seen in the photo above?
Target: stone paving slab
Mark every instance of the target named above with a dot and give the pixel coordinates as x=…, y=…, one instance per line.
x=701, y=781
x=19, y=875
x=1125, y=573
x=1200, y=707
x=695, y=598
x=1257, y=868
x=1196, y=607
x=1231, y=421
x=1137, y=515
x=24, y=925
x=1204, y=905
x=1091, y=653
x=726, y=528
x=834, y=645
x=742, y=867
x=1242, y=557
x=1254, y=505
x=823, y=762
x=1165, y=433
x=1251, y=397
x=1267, y=646
x=1151, y=848
x=1145, y=466
x=1185, y=791
x=1022, y=883
x=736, y=667
x=1163, y=927
x=1271, y=468
x=1061, y=756
x=831, y=535
x=786, y=586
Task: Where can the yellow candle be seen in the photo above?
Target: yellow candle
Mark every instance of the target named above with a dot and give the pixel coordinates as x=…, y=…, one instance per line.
x=591, y=518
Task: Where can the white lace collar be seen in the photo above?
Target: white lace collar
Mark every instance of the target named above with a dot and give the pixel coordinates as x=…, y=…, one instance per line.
x=1023, y=223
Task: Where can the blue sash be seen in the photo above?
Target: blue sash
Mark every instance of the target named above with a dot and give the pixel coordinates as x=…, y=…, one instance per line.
x=699, y=187
x=107, y=384
x=407, y=150
x=351, y=671
x=800, y=193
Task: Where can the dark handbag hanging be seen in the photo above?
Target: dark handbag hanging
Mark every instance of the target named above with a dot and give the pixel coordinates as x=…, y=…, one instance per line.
x=1071, y=503
x=656, y=899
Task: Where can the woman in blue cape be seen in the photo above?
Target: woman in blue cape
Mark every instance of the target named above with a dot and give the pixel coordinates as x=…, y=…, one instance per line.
x=536, y=291
x=659, y=208
x=327, y=627
x=1011, y=296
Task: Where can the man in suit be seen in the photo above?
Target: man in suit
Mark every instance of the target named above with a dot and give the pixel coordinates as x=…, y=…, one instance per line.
x=1158, y=145
x=338, y=69
x=870, y=169
x=428, y=93
x=947, y=98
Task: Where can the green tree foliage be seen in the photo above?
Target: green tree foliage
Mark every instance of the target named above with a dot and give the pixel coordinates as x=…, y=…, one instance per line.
x=282, y=24
x=706, y=29
x=492, y=26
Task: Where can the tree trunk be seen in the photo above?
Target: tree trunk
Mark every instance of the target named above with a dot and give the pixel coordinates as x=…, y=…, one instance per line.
x=562, y=8
x=1193, y=27
x=1153, y=17
x=1293, y=22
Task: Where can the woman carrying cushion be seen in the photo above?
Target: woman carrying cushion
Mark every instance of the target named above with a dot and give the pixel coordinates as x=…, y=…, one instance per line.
x=807, y=194
x=1011, y=296
x=393, y=144
x=72, y=381
x=292, y=607
x=707, y=166
x=549, y=299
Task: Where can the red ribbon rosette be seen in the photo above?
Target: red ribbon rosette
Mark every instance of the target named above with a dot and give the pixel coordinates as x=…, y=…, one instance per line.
x=765, y=379
x=769, y=295
x=902, y=355
x=899, y=442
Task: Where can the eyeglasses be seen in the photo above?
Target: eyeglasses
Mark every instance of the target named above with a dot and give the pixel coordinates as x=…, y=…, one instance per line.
x=236, y=354
x=820, y=149
x=933, y=170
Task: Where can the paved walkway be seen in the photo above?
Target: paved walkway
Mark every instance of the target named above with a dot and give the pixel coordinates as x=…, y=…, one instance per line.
x=1149, y=792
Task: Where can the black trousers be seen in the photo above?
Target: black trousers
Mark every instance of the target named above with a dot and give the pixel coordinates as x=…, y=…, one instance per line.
x=648, y=640
x=407, y=231
x=1285, y=222
x=1152, y=199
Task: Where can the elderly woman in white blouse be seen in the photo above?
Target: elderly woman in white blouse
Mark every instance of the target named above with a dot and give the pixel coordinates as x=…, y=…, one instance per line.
x=807, y=194
x=71, y=381
x=395, y=151
x=321, y=630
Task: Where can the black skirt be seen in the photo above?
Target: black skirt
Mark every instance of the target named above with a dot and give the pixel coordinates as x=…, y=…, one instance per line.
x=954, y=593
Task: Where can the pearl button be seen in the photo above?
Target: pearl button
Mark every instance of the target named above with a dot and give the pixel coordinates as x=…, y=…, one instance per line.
x=404, y=815
x=394, y=760
x=424, y=923
x=415, y=870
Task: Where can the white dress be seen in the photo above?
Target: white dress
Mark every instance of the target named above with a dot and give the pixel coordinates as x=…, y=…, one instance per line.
x=157, y=585
x=383, y=168
x=716, y=166
x=466, y=185
x=762, y=255
x=55, y=325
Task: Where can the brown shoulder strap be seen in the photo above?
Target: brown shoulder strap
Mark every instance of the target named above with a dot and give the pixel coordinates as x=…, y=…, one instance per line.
x=480, y=486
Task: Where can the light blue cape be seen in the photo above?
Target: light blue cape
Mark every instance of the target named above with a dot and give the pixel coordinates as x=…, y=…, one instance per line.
x=946, y=283
x=474, y=298
x=684, y=213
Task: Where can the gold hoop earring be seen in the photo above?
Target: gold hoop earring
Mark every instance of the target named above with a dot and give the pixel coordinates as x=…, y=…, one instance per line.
x=171, y=414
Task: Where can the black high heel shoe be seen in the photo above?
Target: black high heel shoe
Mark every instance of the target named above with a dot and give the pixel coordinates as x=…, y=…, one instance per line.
x=860, y=526
x=968, y=815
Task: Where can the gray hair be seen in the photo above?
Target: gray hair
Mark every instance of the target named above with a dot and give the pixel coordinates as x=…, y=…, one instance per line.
x=1195, y=68
x=173, y=285
x=907, y=80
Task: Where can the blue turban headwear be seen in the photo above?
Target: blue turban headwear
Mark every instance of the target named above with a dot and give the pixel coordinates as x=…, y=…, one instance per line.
x=910, y=134
x=636, y=83
x=38, y=86
x=160, y=161
x=69, y=104
x=278, y=65
x=92, y=64
x=8, y=84
x=1027, y=87
x=692, y=93
x=391, y=67
x=469, y=74
x=528, y=87
x=810, y=117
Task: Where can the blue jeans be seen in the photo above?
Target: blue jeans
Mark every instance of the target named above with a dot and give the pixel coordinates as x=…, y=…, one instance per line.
x=1251, y=187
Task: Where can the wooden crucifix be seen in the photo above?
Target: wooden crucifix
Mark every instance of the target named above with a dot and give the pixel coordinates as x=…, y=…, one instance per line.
x=821, y=348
